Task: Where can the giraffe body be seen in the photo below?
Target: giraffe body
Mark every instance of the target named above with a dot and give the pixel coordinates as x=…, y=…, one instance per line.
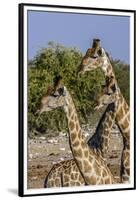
x=64, y=174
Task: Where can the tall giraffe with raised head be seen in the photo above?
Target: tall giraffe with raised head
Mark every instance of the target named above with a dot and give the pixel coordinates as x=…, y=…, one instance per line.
x=96, y=57
x=90, y=163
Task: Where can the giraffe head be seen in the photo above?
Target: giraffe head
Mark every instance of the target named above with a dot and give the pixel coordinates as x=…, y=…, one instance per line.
x=94, y=58
x=104, y=99
x=55, y=97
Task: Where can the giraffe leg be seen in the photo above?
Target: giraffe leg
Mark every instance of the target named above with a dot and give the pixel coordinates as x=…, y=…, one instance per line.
x=125, y=165
x=125, y=172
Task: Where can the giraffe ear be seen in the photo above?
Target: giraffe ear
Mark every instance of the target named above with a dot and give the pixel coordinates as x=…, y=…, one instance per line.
x=49, y=90
x=61, y=91
x=58, y=88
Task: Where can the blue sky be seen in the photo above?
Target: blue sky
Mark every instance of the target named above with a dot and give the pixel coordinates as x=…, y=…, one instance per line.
x=78, y=30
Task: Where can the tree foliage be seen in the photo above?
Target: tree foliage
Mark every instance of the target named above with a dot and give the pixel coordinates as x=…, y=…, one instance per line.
x=59, y=60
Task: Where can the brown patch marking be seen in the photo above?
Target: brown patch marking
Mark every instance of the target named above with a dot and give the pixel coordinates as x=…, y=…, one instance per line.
x=90, y=158
x=66, y=178
x=128, y=171
x=86, y=153
x=125, y=124
x=73, y=136
x=72, y=176
x=76, y=143
x=87, y=166
x=70, y=110
x=107, y=181
x=57, y=181
x=72, y=117
x=71, y=125
x=77, y=127
x=125, y=107
x=77, y=153
x=76, y=176
x=83, y=144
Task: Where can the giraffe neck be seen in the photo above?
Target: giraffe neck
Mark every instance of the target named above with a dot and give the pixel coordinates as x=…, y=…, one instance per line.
x=122, y=116
x=101, y=138
x=107, y=68
x=77, y=140
x=88, y=161
x=108, y=71
x=121, y=107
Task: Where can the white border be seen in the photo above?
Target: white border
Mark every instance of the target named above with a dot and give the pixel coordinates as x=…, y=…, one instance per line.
x=86, y=188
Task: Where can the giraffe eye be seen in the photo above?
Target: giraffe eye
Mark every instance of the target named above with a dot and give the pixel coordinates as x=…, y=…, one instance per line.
x=61, y=91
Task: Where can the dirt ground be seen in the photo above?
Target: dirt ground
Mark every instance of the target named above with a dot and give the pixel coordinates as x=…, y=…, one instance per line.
x=44, y=152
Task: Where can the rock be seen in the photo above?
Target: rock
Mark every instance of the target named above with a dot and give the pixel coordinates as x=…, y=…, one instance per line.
x=86, y=134
x=34, y=178
x=36, y=155
x=62, y=149
x=39, y=166
x=52, y=141
x=53, y=154
x=62, y=134
x=42, y=138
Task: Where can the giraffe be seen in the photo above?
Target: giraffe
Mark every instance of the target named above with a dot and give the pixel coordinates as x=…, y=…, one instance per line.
x=90, y=162
x=64, y=174
x=105, y=99
x=96, y=57
x=101, y=138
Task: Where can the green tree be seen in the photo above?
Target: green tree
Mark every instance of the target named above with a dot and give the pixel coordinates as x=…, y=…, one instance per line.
x=59, y=60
